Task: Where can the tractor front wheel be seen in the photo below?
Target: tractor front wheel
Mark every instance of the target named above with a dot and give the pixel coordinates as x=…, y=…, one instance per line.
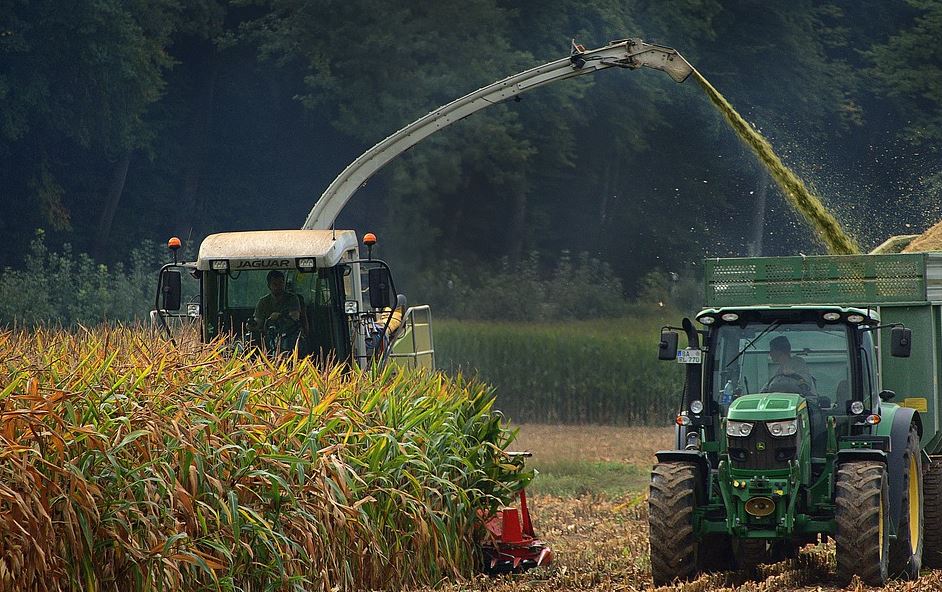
x=906, y=549
x=671, y=503
x=861, y=514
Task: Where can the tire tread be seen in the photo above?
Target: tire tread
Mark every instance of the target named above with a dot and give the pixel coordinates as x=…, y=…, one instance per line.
x=671, y=503
x=860, y=490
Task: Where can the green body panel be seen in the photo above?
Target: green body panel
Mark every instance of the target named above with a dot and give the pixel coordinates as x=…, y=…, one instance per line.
x=847, y=280
x=887, y=413
x=766, y=407
x=915, y=380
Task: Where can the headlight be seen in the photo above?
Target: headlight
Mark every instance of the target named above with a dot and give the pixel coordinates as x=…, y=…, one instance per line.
x=857, y=407
x=739, y=429
x=696, y=406
x=707, y=320
x=783, y=428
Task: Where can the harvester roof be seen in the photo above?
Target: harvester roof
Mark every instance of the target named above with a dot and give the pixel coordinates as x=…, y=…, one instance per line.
x=273, y=249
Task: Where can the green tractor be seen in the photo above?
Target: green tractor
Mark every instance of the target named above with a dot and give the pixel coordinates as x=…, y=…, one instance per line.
x=807, y=415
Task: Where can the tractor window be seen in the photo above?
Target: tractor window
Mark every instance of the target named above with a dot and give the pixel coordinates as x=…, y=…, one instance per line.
x=245, y=288
x=801, y=358
x=322, y=325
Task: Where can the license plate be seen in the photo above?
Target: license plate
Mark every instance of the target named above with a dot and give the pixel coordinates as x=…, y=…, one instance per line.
x=689, y=356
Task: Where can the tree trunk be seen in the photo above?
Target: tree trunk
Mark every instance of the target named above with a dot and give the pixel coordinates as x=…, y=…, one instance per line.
x=518, y=225
x=758, y=217
x=106, y=219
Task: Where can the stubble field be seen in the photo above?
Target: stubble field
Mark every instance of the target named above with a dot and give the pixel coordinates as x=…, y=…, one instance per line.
x=599, y=530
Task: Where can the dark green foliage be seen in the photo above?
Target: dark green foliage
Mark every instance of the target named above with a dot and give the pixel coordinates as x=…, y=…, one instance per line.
x=584, y=288
x=69, y=288
x=908, y=68
x=122, y=121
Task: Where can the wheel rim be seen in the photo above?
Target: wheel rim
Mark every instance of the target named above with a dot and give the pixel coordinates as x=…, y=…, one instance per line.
x=913, y=505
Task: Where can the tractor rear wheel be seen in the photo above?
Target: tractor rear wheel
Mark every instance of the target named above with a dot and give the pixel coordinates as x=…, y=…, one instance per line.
x=906, y=549
x=932, y=504
x=672, y=500
x=862, y=535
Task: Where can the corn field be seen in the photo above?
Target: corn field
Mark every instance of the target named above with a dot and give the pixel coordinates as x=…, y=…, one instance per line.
x=604, y=372
x=129, y=464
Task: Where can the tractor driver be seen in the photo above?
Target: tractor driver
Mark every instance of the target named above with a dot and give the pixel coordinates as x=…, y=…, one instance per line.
x=790, y=368
x=279, y=308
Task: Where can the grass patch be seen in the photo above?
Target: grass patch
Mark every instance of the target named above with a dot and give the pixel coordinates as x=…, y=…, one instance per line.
x=574, y=478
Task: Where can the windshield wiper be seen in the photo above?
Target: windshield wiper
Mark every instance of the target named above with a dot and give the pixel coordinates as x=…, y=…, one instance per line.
x=757, y=338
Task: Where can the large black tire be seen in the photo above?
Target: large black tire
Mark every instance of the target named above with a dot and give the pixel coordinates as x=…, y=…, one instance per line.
x=862, y=535
x=932, y=511
x=906, y=549
x=671, y=502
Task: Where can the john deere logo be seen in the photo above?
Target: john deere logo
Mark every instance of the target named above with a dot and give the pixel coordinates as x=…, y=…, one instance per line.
x=760, y=446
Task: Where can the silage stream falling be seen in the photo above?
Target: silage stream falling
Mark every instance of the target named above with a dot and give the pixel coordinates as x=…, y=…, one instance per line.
x=799, y=196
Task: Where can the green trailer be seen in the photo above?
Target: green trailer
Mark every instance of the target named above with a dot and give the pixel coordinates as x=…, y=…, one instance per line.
x=810, y=412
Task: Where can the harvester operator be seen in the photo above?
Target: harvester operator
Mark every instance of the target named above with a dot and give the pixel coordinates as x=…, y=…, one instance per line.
x=279, y=308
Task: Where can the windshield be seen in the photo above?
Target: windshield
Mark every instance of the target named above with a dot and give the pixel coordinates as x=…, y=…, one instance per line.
x=801, y=358
x=303, y=308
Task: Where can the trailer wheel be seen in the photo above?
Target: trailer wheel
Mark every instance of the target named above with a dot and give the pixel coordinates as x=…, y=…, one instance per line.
x=932, y=508
x=672, y=499
x=906, y=550
x=862, y=534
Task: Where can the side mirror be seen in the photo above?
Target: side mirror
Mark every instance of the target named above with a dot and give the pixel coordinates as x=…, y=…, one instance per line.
x=380, y=288
x=667, y=348
x=171, y=290
x=901, y=342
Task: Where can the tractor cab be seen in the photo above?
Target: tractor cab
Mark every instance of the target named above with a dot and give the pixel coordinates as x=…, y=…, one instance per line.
x=783, y=376
x=304, y=290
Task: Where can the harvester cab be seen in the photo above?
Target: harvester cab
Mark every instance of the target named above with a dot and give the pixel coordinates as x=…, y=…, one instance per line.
x=788, y=431
x=308, y=290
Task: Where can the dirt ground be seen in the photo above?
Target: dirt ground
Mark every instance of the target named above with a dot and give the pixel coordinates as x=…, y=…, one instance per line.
x=600, y=542
x=634, y=446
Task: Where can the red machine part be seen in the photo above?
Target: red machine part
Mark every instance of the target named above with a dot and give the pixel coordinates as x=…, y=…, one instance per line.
x=512, y=545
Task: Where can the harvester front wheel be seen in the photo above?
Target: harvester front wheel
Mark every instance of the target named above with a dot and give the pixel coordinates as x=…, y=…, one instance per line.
x=671, y=503
x=932, y=503
x=862, y=534
x=906, y=549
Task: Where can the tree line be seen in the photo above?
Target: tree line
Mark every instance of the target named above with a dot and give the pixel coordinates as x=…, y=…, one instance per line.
x=130, y=120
